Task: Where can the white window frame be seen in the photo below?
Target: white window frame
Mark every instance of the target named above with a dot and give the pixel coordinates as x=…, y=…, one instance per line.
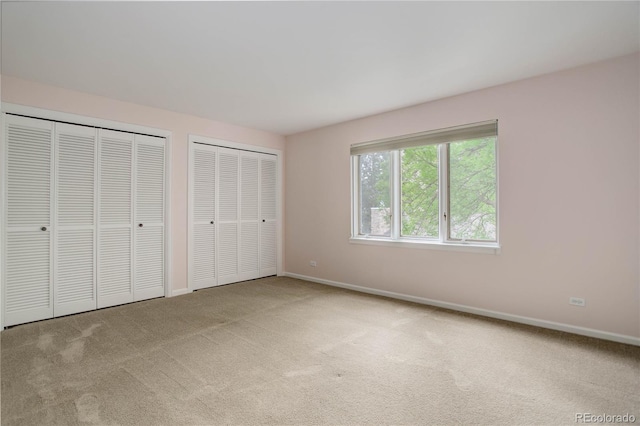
x=442, y=242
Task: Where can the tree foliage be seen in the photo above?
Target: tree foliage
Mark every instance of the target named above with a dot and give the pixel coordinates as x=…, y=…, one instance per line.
x=472, y=199
x=420, y=196
x=374, y=187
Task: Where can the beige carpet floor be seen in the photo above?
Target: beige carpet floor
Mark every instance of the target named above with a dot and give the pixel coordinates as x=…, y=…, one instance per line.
x=284, y=351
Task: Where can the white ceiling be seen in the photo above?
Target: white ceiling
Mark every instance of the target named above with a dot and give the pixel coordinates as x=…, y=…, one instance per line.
x=293, y=66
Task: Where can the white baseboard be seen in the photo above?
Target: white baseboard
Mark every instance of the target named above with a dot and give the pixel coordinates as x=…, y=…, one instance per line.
x=614, y=337
x=180, y=292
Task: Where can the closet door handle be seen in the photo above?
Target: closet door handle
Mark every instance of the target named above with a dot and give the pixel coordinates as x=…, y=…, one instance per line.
x=212, y=222
x=263, y=220
x=140, y=225
x=44, y=228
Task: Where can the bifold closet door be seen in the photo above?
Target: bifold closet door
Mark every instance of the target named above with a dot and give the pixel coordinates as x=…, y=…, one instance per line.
x=203, y=232
x=84, y=219
x=149, y=217
x=268, y=212
x=227, y=221
x=115, y=230
x=28, y=289
x=74, y=280
x=233, y=222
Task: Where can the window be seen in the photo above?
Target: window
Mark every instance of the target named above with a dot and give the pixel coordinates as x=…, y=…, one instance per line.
x=437, y=187
x=375, y=194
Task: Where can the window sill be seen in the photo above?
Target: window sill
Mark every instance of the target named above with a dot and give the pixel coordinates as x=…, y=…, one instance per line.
x=429, y=245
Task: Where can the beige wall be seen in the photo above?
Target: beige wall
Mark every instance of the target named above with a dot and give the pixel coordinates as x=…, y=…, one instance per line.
x=569, y=202
x=41, y=96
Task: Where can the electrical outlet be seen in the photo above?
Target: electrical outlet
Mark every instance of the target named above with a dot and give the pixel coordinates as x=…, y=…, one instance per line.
x=313, y=263
x=577, y=301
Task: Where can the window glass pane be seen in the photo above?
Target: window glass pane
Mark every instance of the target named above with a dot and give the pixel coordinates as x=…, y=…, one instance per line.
x=375, y=194
x=472, y=190
x=419, y=198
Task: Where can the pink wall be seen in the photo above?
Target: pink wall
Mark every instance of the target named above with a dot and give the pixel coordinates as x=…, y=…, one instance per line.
x=569, y=194
x=569, y=202
x=41, y=96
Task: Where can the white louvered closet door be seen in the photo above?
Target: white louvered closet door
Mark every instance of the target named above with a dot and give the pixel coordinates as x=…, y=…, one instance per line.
x=268, y=213
x=227, y=222
x=149, y=217
x=74, y=241
x=115, y=218
x=249, y=250
x=203, y=232
x=28, y=290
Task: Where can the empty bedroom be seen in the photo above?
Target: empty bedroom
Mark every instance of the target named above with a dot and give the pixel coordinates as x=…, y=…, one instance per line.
x=331, y=213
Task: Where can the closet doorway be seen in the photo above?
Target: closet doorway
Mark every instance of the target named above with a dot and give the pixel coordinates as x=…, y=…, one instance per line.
x=85, y=217
x=234, y=212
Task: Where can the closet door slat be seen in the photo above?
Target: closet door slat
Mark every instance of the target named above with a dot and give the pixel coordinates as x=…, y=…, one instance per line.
x=149, y=217
x=268, y=211
x=28, y=287
x=115, y=236
x=249, y=249
x=227, y=223
x=74, y=248
x=203, y=233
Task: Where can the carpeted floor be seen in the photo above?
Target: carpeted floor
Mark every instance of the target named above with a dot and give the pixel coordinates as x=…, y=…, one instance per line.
x=284, y=351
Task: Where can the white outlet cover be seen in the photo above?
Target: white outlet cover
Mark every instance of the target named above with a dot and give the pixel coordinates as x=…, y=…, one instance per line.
x=577, y=301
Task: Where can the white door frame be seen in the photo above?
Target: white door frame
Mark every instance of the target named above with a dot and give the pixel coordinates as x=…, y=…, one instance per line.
x=193, y=139
x=39, y=113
